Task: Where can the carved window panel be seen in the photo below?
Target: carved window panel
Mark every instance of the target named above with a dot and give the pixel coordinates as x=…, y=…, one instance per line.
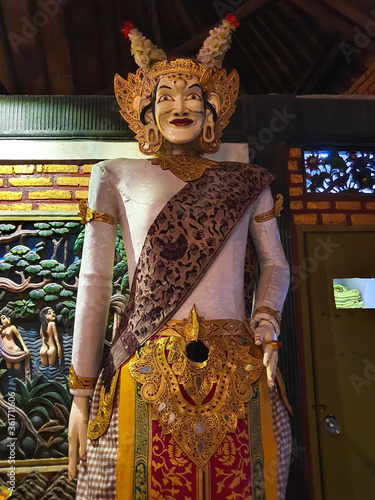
x=338, y=171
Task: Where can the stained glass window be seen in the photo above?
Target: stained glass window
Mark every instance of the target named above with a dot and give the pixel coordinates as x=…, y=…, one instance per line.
x=334, y=171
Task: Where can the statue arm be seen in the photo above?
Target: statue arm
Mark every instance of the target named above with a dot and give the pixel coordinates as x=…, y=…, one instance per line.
x=95, y=280
x=94, y=294
x=273, y=281
x=19, y=337
x=274, y=269
x=56, y=339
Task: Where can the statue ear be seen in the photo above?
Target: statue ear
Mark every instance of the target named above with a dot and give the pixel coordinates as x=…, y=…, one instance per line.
x=146, y=116
x=209, y=122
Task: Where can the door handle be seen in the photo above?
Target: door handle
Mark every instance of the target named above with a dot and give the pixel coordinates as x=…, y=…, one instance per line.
x=331, y=425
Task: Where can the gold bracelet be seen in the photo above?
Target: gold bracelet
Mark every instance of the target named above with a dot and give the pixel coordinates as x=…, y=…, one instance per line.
x=76, y=382
x=270, y=311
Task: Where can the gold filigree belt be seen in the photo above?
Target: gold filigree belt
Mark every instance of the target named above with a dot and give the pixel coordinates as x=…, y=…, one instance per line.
x=199, y=402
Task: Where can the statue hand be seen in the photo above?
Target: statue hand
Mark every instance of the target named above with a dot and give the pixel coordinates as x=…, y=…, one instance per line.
x=78, y=422
x=263, y=333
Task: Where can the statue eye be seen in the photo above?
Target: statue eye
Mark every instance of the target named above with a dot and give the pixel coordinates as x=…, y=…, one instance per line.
x=165, y=97
x=193, y=97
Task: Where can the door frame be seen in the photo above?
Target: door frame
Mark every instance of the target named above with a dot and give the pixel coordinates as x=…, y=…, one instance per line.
x=304, y=330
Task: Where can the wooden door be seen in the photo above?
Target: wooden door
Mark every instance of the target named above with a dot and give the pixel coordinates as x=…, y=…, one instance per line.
x=339, y=346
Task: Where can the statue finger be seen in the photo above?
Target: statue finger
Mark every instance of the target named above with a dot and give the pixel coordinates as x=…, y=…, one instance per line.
x=258, y=336
x=83, y=443
x=73, y=457
x=271, y=369
x=268, y=350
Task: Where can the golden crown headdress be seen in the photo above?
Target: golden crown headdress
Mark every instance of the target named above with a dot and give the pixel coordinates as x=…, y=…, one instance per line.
x=153, y=64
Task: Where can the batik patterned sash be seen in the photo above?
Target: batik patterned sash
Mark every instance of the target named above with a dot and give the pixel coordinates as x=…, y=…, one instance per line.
x=179, y=247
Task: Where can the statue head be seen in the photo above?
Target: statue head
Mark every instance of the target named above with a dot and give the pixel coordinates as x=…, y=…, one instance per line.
x=6, y=314
x=46, y=315
x=179, y=101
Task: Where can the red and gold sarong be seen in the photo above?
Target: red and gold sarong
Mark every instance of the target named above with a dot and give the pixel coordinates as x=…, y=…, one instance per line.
x=175, y=429
x=164, y=455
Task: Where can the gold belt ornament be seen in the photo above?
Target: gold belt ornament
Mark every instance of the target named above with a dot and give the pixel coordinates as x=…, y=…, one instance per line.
x=198, y=402
x=99, y=425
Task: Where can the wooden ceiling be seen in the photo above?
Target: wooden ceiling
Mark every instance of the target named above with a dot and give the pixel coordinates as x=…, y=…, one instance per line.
x=72, y=47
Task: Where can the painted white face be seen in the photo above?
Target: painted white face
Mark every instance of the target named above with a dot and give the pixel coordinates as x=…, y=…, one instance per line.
x=179, y=108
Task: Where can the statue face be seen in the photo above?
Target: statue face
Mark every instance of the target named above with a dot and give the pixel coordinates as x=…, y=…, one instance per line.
x=51, y=316
x=5, y=321
x=179, y=108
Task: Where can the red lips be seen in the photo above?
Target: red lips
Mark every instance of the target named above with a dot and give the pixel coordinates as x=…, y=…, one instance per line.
x=181, y=122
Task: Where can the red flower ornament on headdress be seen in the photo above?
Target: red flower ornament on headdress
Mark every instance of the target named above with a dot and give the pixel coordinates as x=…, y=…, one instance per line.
x=232, y=19
x=128, y=26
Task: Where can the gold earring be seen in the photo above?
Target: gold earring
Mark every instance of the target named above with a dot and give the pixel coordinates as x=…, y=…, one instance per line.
x=152, y=135
x=207, y=133
x=211, y=145
x=150, y=141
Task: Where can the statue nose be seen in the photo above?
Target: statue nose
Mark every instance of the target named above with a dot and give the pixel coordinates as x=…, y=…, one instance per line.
x=180, y=107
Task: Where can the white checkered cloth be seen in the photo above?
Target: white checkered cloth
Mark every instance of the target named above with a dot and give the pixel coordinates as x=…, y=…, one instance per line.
x=97, y=476
x=283, y=437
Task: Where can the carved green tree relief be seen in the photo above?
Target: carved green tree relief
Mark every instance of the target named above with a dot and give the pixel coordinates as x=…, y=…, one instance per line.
x=39, y=268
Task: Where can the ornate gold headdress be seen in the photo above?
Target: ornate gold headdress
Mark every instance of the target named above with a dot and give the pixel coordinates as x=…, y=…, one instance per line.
x=154, y=64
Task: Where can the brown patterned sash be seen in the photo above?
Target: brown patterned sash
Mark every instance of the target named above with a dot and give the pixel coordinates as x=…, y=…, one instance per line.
x=179, y=247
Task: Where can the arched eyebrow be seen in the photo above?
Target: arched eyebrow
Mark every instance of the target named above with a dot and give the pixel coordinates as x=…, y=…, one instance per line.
x=164, y=87
x=195, y=85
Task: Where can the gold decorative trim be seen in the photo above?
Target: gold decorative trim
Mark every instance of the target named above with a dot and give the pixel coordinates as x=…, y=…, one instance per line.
x=218, y=387
x=275, y=211
x=99, y=425
x=88, y=215
x=76, y=382
x=185, y=167
x=270, y=311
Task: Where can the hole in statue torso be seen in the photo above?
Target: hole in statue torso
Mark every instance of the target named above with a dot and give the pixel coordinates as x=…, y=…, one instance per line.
x=197, y=351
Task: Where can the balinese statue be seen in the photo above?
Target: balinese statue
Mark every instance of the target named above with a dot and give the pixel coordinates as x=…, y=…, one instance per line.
x=51, y=348
x=9, y=350
x=188, y=403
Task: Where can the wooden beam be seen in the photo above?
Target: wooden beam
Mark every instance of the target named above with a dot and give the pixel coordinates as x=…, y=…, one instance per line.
x=364, y=83
x=320, y=66
x=39, y=47
x=350, y=14
x=276, y=68
x=264, y=68
x=8, y=58
x=330, y=20
x=155, y=23
x=245, y=10
x=66, y=7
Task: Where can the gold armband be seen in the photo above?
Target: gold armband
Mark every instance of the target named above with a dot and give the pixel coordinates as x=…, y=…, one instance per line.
x=88, y=215
x=270, y=311
x=76, y=382
x=275, y=211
